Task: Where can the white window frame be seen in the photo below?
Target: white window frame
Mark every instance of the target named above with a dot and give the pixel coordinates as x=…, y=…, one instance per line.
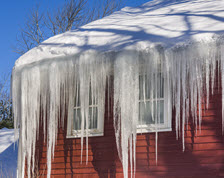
x=91, y=132
x=167, y=126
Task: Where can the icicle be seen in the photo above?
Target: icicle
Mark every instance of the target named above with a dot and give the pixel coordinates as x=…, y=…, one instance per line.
x=178, y=95
x=126, y=96
x=45, y=89
x=183, y=87
x=50, y=88
x=207, y=81
x=222, y=74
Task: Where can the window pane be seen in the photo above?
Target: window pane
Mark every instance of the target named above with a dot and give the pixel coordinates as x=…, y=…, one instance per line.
x=77, y=95
x=92, y=101
x=141, y=96
x=150, y=88
x=92, y=119
x=160, y=86
x=77, y=119
x=146, y=116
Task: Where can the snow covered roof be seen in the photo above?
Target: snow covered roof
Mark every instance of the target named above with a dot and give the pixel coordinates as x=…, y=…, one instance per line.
x=164, y=22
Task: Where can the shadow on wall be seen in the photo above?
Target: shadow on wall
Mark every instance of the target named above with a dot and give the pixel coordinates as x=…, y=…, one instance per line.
x=203, y=156
x=8, y=161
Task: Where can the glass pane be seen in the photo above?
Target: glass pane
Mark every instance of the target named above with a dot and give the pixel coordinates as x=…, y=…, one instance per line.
x=92, y=119
x=77, y=95
x=141, y=96
x=150, y=88
x=146, y=116
x=92, y=101
x=160, y=86
x=77, y=119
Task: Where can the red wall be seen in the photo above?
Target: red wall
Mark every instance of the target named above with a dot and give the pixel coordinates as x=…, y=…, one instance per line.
x=203, y=157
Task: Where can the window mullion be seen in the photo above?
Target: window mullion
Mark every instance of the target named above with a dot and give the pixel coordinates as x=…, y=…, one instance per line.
x=148, y=125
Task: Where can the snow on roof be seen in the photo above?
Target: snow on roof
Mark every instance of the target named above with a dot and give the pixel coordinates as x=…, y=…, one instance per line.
x=160, y=22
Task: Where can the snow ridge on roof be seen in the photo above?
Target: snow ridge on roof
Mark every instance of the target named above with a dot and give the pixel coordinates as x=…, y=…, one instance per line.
x=159, y=22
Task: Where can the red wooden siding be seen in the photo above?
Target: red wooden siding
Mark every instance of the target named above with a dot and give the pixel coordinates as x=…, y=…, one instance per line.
x=203, y=157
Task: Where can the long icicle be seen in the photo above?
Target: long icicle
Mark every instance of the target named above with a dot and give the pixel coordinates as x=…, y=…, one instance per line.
x=51, y=83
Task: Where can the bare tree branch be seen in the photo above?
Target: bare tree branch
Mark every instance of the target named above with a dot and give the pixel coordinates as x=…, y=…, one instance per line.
x=3, y=87
x=74, y=13
x=6, y=118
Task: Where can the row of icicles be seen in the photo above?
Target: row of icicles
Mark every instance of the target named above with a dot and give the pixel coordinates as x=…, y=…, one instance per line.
x=47, y=91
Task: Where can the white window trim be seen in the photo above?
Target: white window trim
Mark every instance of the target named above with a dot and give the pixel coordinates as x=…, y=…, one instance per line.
x=91, y=132
x=167, y=126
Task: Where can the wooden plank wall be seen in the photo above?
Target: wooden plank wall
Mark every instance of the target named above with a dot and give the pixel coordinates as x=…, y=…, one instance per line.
x=203, y=157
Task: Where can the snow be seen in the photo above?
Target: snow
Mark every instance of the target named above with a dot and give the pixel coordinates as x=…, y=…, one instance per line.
x=8, y=153
x=182, y=40
x=163, y=22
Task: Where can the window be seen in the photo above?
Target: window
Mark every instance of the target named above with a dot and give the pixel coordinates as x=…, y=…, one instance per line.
x=154, y=104
x=95, y=127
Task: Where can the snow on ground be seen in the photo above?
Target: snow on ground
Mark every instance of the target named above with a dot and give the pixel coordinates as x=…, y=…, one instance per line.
x=8, y=153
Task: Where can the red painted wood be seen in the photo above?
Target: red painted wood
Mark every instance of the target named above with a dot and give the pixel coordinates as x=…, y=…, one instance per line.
x=203, y=157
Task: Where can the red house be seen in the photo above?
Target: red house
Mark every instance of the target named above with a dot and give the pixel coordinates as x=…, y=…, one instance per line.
x=138, y=93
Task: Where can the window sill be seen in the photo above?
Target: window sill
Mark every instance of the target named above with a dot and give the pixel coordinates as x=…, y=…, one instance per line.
x=91, y=134
x=151, y=130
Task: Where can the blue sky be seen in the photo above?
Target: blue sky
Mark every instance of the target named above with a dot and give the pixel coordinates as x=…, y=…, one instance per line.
x=13, y=14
